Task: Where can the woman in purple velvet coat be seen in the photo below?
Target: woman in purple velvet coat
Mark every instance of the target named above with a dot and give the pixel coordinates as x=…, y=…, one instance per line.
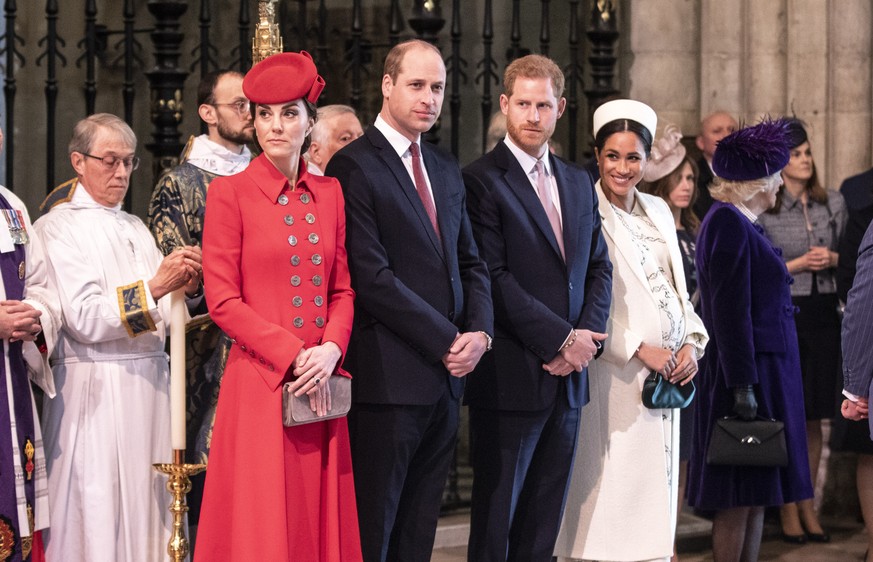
x=752, y=365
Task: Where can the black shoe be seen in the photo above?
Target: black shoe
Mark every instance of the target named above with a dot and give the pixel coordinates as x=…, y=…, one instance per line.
x=794, y=539
x=824, y=536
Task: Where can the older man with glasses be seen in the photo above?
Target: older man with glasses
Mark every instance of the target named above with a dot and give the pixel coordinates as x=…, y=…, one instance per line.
x=175, y=218
x=110, y=418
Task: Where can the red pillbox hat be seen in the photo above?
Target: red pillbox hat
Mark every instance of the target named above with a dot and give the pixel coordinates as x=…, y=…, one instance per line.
x=283, y=77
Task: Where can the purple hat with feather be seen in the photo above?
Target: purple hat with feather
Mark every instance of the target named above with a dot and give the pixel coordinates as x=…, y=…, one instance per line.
x=753, y=152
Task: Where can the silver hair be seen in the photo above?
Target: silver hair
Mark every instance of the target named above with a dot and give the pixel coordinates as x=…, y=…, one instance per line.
x=86, y=131
x=319, y=130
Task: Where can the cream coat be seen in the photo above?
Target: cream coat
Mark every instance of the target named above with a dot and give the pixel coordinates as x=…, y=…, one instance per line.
x=621, y=503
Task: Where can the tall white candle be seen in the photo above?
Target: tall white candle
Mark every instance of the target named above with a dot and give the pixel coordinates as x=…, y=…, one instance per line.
x=177, y=368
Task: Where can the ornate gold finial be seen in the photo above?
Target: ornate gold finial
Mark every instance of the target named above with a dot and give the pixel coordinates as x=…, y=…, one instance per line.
x=605, y=8
x=29, y=450
x=267, y=40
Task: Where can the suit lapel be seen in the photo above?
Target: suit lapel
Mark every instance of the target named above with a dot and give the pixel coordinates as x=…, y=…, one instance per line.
x=401, y=175
x=571, y=205
x=519, y=183
x=622, y=243
x=440, y=191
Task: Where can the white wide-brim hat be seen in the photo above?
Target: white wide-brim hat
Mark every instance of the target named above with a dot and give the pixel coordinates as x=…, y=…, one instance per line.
x=625, y=109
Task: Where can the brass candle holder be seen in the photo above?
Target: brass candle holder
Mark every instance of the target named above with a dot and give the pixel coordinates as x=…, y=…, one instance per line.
x=178, y=484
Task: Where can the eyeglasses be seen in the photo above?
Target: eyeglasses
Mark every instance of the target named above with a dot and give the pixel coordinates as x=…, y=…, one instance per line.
x=110, y=162
x=241, y=107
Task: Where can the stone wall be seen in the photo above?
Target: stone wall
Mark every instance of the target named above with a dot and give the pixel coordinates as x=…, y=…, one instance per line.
x=812, y=58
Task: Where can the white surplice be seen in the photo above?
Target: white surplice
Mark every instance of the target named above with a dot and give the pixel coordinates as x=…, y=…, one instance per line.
x=38, y=295
x=110, y=419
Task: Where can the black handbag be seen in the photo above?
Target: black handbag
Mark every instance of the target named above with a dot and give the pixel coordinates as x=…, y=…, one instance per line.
x=738, y=442
x=660, y=393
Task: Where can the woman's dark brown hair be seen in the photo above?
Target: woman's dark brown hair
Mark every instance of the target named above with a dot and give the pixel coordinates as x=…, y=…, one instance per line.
x=664, y=186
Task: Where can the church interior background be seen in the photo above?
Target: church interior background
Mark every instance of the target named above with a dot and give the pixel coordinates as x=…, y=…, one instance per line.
x=142, y=59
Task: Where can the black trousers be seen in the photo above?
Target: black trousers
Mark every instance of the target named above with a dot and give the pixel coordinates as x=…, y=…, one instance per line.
x=401, y=457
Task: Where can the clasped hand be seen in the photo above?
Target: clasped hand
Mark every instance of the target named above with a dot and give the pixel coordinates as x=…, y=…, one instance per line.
x=817, y=258
x=312, y=367
x=465, y=353
x=180, y=268
x=678, y=368
x=19, y=321
x=577, y=355
x=855, y=411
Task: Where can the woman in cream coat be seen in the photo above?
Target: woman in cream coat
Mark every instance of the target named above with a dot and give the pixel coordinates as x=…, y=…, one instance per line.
x=626, y=466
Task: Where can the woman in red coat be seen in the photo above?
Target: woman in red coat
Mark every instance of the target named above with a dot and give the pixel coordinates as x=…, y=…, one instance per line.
x=277, y=283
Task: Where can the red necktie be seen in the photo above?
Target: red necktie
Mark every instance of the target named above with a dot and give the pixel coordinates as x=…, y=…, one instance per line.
x=544, y=190
x=421, y=187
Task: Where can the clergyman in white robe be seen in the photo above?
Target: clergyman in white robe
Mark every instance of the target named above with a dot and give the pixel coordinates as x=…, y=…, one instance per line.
x=110, y=419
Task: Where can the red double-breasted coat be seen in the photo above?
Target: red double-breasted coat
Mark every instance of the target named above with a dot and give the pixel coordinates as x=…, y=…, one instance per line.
x=276, y=280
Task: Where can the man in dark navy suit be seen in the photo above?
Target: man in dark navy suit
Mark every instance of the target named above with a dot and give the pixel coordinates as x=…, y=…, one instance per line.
x=536, y=221
x=423, y=315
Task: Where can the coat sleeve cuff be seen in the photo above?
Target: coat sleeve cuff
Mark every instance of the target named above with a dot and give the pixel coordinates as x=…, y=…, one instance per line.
x=134, y=304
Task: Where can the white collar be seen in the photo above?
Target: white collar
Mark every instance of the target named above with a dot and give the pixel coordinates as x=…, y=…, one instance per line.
x=526, y=160
x=313, y=169
x=398, y=142
x=215, y=158
x=82, y=199
x=741, y=207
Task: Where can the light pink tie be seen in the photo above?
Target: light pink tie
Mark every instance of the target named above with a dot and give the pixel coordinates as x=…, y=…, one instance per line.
x=421, y=187
x=544, y=190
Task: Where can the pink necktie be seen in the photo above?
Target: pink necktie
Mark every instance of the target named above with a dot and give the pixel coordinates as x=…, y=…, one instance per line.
x=544, y=190
x=421, y=187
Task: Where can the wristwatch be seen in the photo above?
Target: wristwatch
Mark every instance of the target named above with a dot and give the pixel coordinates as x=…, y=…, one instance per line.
x=488, y=340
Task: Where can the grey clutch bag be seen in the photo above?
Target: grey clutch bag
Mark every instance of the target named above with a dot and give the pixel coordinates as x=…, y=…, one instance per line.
x=296, y=411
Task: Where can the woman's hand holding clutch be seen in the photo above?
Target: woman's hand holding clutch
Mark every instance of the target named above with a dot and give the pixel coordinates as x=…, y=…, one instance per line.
x=660, y=359
x=686, y=365
x=312, y=367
